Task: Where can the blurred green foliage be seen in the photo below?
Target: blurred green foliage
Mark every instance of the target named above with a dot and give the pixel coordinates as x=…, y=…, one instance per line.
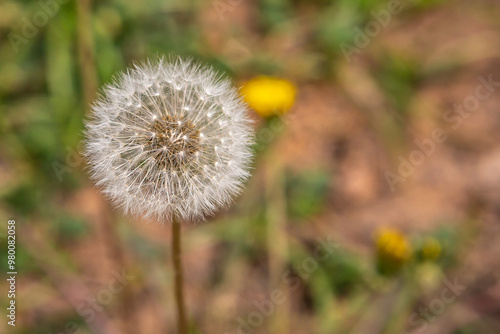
x=307, y=193
x=42, y=108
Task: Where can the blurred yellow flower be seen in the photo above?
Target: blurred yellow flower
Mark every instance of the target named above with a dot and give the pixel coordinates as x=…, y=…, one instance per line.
x=431, y=249
x=269, y=96
x=393, y=246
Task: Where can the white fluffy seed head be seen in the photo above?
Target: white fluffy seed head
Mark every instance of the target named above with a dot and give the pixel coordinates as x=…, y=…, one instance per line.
x=169, y=138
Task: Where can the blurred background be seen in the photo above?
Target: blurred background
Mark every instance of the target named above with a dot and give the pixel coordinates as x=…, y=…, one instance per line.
x=374, y=201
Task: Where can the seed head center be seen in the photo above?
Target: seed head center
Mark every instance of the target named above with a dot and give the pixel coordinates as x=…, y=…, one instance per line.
x=174, y=142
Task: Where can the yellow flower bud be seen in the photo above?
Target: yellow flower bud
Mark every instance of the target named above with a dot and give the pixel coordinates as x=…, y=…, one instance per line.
x=431, y=249
x=393, y=247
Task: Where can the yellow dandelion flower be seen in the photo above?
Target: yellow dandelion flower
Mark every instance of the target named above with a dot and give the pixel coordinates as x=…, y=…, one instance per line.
x=431, y=249
x=393, y=246
x=269, y=96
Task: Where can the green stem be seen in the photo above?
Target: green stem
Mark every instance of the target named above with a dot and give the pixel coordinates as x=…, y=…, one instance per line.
x=277, y=239
x=86, y=51
x=179, y=292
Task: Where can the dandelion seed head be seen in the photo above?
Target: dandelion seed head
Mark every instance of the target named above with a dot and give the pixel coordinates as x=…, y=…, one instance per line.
x=169, y=138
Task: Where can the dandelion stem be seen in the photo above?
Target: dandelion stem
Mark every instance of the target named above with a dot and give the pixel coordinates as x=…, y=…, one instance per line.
x=179, y=292
x=277, y=239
